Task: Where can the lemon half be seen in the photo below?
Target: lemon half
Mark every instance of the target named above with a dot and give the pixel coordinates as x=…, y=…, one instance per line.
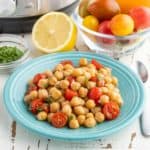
x=54, y=32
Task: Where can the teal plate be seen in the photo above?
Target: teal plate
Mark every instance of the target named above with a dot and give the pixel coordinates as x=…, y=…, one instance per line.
x=130, y=86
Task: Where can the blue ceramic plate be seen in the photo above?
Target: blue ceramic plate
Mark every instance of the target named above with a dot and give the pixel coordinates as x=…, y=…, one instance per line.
x=130, y=86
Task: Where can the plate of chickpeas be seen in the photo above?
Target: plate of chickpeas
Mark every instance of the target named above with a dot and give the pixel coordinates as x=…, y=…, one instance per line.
x=74, y=96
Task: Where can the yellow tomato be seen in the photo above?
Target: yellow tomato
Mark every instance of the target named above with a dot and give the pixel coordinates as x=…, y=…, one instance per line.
x=91, y=22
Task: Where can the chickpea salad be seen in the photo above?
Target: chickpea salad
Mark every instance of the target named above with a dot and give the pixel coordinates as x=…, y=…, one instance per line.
x=74, y=96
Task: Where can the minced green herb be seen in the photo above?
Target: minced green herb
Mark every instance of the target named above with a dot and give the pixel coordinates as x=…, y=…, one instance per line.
x=9, y=54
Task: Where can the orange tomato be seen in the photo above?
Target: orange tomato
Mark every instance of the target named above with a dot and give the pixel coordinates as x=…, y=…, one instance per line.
x=126, y=5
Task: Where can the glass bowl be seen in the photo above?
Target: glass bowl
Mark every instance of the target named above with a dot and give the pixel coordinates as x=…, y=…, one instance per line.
x=114, y=46
x=14, y=41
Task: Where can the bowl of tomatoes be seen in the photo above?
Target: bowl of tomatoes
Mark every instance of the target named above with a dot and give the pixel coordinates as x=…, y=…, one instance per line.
x=90, y=95
x=105, y=27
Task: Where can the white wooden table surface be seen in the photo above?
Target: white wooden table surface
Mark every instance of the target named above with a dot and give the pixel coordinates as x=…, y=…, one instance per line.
x=15, y=137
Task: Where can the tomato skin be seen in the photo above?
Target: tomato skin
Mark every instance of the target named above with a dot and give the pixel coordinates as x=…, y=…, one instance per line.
x=59, y=119
x=96, y=64
x=67, y=62
x=35, y=105
x=111, y=110
x=95, y=94
x=37, y=77
x=94, y=79
x=69, y=94
x=70, y=79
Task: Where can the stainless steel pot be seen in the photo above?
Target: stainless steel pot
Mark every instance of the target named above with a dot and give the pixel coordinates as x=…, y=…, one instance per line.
x=28, y=8
x=18, y=16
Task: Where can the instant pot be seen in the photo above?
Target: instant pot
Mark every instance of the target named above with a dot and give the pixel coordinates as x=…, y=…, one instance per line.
x=18, y=16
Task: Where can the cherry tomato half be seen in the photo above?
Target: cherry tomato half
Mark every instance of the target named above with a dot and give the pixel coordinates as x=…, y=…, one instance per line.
x=70, y=79
x=94, y=79
x=35, y=105
x=59, y=119
x=69, y=94
x=100, y=83
x=67, y=62
x=96, y=64
x=111, y=110
x=37, y=77
x=95, y=94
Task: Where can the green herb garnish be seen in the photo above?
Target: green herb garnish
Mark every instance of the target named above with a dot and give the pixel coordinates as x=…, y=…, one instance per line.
x=9, y=54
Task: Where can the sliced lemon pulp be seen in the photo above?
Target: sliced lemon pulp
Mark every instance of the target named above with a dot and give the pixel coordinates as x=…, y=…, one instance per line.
x=54, y=32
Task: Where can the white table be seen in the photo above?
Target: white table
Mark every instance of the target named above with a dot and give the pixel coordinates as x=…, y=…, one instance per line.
x=15, y=137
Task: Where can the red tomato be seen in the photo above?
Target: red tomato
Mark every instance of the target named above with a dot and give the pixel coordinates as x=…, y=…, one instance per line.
x=104, y=27
x=70, y=79
x=111, y=110
x=69, y=94
x=37, y=77
x=59, y=120
x=100, y=83
x=35, y=105
x=95, y=94
x=94, y=79
x=67, y=62
x=96, y=64
x=45, y=107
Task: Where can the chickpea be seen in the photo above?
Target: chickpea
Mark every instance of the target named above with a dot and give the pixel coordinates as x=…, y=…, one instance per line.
x=104, y=71
x=113, y=95
x=52, y=80
x=59, y=75
x=83, y=92
x=96, y=109
x=90, y=84
x=118, y=100
x=108, y=79
x=104, y=99
x=42, y=116
x=62, y=99
x=64, y=84
x=104, y=90
x=42, y=93
x=110, y=86
x=68, y=67
x=68, y=72
x=92, y=72
x=72, y=116
x=33, y=94
x=86, y=110
x=114, y=81
x=91, y=66
x=90, y=104
x=76, y=101
x=83, y=62
x=108, y=70
x=90, y=122
x=59, y=67
x=89, y=115
x=74, y=124
x=27, y=99
x=48, y=73
x=75, y=86
x=49, y=117
x=81, y=79
x=79, y=110
x=99, y=117
x=77, y=72
x=81, y=119
x=87, y=75
x=55, y=93
x=54, y=107
x=100, y=76
x=67, y=110
x=63, y=103
x=43, y=83
x=116, y=90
